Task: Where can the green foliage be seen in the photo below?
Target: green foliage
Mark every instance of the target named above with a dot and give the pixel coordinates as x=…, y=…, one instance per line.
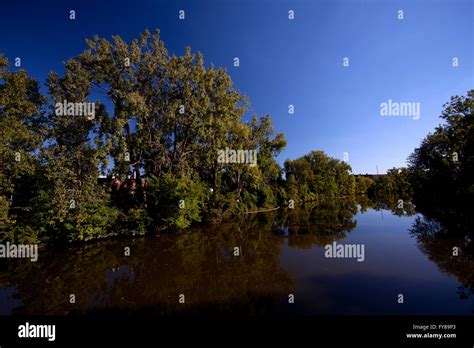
x=169, y=117
x=163, y=119
x=4, y=220
x=174, y=201
x=396, y=183
x=21, y=114
x=363, y=185
x=55, y=218
x=182, y=114
x=317, y=175
x=442, y=167
x=134, y=221
x=21, y=134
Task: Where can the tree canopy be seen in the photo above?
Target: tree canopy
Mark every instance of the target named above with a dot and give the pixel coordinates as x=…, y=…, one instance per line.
x=442, y=167
x=159, y=121
x=130, y=139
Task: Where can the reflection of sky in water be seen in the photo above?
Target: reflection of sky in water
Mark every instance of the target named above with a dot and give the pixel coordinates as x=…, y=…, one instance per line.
x=7, y=300
x=393, y=265
x=119, y=272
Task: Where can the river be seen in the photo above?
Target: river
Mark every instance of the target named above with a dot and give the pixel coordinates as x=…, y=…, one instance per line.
x=263, y=265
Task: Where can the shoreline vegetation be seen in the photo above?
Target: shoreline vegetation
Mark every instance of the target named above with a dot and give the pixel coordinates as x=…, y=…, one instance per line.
x=139, y=151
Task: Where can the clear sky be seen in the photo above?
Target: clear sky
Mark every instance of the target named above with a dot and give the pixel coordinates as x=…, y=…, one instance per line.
x=283, y=62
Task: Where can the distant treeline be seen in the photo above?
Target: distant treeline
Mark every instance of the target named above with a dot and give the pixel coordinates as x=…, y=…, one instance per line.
x=159, y=130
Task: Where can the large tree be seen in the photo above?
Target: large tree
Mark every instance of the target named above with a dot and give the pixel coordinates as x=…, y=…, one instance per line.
x=442, y=167
x=160, y=122
x=21, y=134
x=172, y=114
x=317, y=175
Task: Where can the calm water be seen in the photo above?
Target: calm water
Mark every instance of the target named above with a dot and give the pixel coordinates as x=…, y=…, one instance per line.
x=282, y=253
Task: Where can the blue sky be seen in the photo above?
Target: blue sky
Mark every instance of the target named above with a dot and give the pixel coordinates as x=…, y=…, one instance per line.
x=283, y=62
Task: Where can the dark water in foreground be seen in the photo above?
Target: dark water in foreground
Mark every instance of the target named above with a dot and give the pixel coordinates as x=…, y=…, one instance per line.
x=282, y=253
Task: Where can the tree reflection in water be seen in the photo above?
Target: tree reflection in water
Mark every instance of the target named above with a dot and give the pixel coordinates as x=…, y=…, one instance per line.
x=319, y=223
x=200, y=263
x=437, y=237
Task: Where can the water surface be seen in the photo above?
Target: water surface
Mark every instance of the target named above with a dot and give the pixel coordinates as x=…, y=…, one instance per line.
x=281, y=253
